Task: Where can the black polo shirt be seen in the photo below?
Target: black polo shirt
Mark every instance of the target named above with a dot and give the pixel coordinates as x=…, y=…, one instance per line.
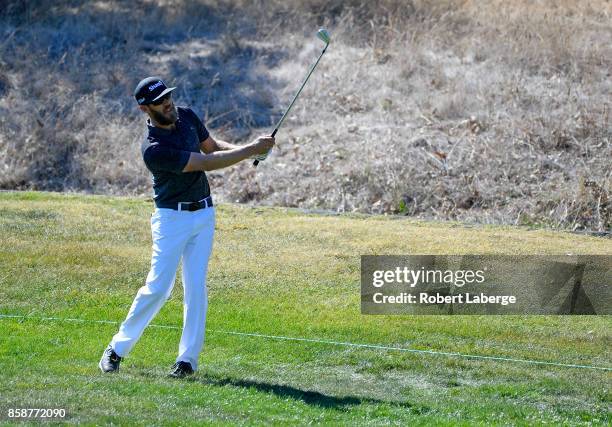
x=166, y=152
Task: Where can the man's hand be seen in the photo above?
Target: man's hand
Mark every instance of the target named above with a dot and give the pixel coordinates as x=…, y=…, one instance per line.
x=263, y=145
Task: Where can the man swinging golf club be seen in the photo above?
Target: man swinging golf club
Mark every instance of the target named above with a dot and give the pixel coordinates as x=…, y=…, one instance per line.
x=178, y=150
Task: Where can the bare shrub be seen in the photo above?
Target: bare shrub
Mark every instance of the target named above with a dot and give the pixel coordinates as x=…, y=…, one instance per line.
x=477, y=111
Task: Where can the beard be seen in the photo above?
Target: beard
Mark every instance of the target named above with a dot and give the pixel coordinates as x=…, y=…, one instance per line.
x=164, y=119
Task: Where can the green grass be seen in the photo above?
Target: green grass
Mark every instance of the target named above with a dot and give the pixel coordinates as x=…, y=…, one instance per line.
x=278, y=272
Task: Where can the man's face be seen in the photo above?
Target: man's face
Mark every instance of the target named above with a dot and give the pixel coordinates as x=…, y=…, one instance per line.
x=165, y=113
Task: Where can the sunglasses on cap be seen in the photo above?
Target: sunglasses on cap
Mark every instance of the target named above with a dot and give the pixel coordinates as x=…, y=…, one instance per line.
x=161, y=100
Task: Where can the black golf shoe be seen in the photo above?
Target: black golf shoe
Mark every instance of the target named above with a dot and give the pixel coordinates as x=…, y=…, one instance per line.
x=110, y=360
x=181, y=370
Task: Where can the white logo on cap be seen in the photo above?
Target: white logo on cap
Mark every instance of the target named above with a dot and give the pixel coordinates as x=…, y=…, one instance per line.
x=141, y=100
x=158, y=84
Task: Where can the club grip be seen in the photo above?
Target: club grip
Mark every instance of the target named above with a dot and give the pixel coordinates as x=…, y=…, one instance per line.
x=256, y=162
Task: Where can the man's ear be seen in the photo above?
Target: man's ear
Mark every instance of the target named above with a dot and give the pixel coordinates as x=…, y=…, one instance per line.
x=144, y=108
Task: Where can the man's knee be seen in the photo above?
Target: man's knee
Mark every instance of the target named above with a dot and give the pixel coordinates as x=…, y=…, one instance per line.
x=158, y=287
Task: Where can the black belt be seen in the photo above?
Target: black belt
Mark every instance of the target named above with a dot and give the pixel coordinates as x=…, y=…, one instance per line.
x=192, y=206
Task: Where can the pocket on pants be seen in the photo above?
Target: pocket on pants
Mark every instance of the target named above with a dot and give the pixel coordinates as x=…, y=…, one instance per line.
x=206, y=219
x=162, y=222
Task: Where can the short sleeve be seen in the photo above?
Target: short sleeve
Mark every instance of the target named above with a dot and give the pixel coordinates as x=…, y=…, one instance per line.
x=200, y=128
x=160, y=158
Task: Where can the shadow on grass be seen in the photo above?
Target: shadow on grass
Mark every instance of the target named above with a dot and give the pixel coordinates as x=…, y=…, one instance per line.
x=313, y=398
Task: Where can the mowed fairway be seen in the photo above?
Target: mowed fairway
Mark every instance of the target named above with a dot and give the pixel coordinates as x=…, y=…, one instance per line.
x=283, y=273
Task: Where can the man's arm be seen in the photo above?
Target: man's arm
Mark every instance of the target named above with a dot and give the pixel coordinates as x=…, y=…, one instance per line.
x=223, y=158
x=210, y=145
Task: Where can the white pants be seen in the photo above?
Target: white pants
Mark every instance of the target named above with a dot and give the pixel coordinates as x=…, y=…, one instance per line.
x=176, y=234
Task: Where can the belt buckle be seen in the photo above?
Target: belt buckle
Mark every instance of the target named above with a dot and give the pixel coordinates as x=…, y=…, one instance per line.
x=180, y=206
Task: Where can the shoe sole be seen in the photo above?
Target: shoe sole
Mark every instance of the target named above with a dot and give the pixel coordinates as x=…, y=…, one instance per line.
x=181, y=376
x=102, y=369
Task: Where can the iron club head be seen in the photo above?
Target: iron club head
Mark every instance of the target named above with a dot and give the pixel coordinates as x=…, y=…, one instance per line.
x=323, y=35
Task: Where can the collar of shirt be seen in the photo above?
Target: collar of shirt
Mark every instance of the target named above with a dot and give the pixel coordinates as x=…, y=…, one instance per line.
x=156, y=131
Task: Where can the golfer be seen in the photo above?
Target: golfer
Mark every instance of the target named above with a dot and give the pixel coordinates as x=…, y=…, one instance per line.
x=178, y=150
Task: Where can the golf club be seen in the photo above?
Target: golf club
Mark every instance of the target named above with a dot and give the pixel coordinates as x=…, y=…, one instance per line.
x=323, y=35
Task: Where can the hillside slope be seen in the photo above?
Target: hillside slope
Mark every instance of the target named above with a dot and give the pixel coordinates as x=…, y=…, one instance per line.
x=494, y=113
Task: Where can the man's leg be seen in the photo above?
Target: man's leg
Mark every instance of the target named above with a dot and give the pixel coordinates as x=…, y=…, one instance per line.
x=195, y=267
x=170, y=234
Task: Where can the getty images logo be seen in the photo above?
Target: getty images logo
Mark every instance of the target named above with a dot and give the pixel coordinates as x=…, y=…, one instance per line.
x=158, y=84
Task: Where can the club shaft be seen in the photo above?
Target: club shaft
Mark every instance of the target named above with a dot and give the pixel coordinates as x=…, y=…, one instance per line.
x=280, y=122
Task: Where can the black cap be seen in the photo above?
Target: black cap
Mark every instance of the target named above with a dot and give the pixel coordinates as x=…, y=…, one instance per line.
x=150, y=90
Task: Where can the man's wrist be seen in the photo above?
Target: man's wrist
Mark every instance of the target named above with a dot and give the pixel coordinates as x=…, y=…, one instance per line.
x=251, y=150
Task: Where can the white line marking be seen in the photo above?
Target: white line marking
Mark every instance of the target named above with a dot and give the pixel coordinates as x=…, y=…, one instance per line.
x=330, y=342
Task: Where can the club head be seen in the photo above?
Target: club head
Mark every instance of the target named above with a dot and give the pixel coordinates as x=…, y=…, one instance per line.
x=323, y=35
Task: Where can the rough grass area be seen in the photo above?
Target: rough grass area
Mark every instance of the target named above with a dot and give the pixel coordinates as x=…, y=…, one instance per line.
x=286, y=273
x=494, y=112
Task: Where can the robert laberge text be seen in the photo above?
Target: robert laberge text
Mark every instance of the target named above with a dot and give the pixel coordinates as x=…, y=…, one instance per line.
x=437, y=298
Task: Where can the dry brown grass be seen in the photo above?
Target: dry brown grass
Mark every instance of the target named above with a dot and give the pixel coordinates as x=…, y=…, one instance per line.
x=479, y=111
